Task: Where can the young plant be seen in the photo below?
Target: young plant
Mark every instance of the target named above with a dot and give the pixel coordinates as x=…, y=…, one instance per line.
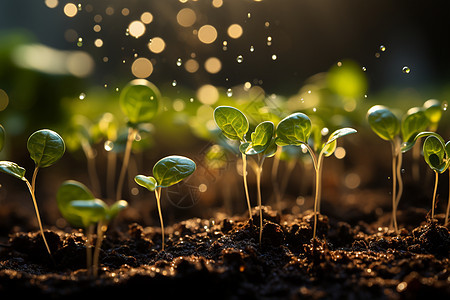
x=234, y=126
x=262, y=145
x=45, y=147
x=436, y=156
x=295, y=129
x=139, y=102
x=80, y=208
x=166, y=172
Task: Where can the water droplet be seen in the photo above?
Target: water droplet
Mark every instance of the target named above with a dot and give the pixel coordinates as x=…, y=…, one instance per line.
x=80, y=42
x=252, y=49
x=109, y=145
x=174, y=83
x=179, y=62
x=444, y=105
x=403, y=171
x=82, y=96
x=406, y=70
x=239, y=59
x=269, y=41
x=274, y=57
x=117, y=89
x=229, y=92
x=377, y=55
x=191, y=100
x=314, y=109
x=364, y=69
x=249, y=15
x=339, y=63
x=266, y=24
x=382, y=48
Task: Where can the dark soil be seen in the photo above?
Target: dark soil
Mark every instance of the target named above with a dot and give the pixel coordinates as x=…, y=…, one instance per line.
x=222, y=258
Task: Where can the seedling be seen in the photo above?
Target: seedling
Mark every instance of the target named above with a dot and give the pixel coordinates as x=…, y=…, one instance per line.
x=46, y=147
x=296, y=129
x=80, y=208
x=262, y=145
x=139, y=102
x=166, y=172
x=2, y=137
x=234, y=126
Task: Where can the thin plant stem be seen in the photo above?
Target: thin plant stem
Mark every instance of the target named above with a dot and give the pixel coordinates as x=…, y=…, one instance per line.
x=244, y=174
x=399, y=174
x=394, y=188
x=158, y=203
x=131, y=136
x=33, y=179
x=101, y=229
x=317, y=194
x=30, y=188
x=89, y=233
x=436, y=178
x=258, y=184
x=448, y=202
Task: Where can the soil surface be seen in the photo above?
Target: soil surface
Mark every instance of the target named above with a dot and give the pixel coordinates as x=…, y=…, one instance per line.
x=221, y=258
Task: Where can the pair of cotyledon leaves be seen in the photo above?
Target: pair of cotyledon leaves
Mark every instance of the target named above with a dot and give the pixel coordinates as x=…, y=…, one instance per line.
x=387, y=126
x=45, y=147
x=139, y=101
x=80, y=208
x=166, y=172
x=295, y=129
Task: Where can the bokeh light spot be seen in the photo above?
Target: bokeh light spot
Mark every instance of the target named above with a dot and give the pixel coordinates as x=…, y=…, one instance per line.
x=207, y=34
x=142, y=67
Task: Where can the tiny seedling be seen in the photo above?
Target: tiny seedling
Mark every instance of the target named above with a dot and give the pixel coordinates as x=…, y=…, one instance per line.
x=139, y=102
x=234, y=125
x=80, y=208
x=262, y=145
x=166, y=172
x=45, y=147
x=296, y=129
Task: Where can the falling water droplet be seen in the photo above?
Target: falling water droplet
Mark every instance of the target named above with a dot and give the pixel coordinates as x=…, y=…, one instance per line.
x=377, y=55
x=274, y=57
x=269, y=40
x=229, y=92
x=109, y=145
x=406, y=70
x=80, y=42
x=252, y=49
x=191, y=100
x=174, y=83
x=179, y=62
x=444, y=105
x=82, y=96
x=249, y=15
x=364, y=69
x=382, y=48
x=239, y=59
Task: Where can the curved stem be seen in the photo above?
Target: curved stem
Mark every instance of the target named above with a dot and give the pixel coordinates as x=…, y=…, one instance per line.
x=436, y=178
x=158, y=203
x=448, y=202
x=33, y=179
x=399, y=175
x=394, y=188
x=30, y=188
x=131, y=136
x=317, y=193
x=244, y=174
x=258, y=183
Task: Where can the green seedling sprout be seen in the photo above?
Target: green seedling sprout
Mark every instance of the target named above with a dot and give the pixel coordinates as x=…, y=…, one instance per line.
x=45, y=147
x=80, y=208
x=262, y=145
x=436, y=156
x=139, y=102
x=234, y=126
x=166, y=172
x=2, y=137
x=296, y=129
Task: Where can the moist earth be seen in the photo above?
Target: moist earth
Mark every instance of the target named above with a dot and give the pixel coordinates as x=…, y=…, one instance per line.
x=222, y=258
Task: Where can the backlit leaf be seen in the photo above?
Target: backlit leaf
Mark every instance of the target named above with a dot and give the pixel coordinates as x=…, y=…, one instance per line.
x=45, y=147
x=383, y=122
x=172, y=169
x=435, y=154
x=148, y=182
x=295, y=129
x=69, y=191
x=232, y=122
x=12, y=169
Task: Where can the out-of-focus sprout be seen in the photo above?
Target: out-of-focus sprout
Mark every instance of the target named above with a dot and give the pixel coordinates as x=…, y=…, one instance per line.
x=45, y=147
x=80, y=208
x=166, y=172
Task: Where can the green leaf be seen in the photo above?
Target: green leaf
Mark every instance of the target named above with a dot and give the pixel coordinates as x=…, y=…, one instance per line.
x=406, y=146
x=413, y=122
x=331, y=143
x=139, y=101
x=433, y=110
x=2, y=137
x=45, y=147
x=114, y=209
x=172, y=169
x=293, y=130
x=12, y=169
x=232, y=122
x=261, y=138
x=148, y=182
x=271, y=149
x=89, y=211
x=435, y=154
x=383, y=122
x=69, y=191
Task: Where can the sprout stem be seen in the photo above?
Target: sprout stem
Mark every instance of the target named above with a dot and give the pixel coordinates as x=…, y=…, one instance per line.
x=244, y=174
x=258, y=184
x=317, y=194
x=399, y=177
x=158, y=203
x=89, y=232
x=436, y=178
x=101, y=229
x=33, y=179
x=394, y=188
x=448, y=203
x=131, y=136
x=30, y=188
